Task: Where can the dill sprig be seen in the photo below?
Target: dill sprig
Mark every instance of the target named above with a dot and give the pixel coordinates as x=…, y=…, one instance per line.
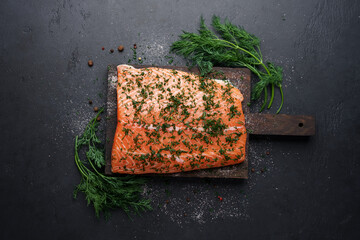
x=105, y=193
x=230, y=46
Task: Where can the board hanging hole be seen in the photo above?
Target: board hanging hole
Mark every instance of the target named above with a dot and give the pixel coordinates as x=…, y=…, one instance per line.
x=301, y=124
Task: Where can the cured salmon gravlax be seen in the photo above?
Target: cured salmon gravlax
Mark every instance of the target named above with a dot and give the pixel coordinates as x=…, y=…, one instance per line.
x=173, y=121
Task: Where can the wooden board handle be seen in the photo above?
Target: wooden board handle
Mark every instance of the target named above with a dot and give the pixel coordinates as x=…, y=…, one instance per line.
x=280, y=124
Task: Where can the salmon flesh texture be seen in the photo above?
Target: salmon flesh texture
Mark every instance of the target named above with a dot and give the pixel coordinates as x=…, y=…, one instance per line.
x=173, y=121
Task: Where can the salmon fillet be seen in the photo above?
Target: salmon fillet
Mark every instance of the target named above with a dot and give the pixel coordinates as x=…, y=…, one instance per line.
x=172, y=121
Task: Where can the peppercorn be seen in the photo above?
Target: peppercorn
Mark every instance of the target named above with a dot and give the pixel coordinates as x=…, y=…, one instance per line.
x=96, y=109
x=90, y=102
x=267, y=152
x=120, y=48
x=253, y=170
x=185, y=214
x=188, y=199
x=98, y=118
x=134, y=45
x=90, y=63
x=167, y=201
x=111, y=50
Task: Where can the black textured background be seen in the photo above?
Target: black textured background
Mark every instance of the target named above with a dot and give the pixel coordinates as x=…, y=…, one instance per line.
x=307, y=189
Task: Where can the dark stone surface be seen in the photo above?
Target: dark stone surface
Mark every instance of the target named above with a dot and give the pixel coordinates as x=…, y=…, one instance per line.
x=302, y=189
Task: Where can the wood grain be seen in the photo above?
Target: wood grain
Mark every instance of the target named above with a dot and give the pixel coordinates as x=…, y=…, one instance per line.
x=111, y=117
x=280, y=124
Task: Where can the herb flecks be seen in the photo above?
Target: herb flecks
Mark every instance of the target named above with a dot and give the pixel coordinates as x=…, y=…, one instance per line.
x=214, y=127
x=181, y=115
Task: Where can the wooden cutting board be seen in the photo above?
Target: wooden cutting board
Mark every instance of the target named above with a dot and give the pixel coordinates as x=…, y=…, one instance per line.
x=256, y=123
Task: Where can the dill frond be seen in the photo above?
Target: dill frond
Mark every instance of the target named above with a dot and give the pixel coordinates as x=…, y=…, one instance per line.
x=103, y=192
x=229, y=46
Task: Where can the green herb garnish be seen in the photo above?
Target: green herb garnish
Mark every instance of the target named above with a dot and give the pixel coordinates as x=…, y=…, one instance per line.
x=234, y=47
x=103, y=192
x=134, y=54
x=214, y=127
